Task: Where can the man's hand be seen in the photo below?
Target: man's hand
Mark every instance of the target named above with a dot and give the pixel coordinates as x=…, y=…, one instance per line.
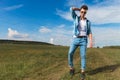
x=91, y=44
x=76, y=9
x=90, y=41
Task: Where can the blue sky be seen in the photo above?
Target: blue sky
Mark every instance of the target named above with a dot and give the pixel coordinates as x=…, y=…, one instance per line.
x=50, y=20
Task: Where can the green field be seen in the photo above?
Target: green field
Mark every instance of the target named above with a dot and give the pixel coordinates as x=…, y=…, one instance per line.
x=49, y=62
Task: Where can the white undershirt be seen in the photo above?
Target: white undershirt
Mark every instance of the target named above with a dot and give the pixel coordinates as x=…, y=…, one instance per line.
x=82, y=28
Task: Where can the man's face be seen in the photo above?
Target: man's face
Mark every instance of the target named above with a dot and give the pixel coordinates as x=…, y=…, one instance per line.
x=83, y=12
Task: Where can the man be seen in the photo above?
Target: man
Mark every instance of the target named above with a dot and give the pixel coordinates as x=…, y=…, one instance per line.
x=81, y=31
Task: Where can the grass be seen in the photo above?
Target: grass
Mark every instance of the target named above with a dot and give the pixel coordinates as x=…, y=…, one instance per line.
x=102, y=64
x=49, y=62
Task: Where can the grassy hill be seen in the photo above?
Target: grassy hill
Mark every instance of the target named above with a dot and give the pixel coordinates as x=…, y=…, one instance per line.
x=23, y=42
x=49, y=62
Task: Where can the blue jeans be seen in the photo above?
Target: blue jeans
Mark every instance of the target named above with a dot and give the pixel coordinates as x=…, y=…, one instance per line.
x=82, y=42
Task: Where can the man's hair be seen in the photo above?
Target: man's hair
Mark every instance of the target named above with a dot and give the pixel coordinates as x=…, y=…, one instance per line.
x=84, y=7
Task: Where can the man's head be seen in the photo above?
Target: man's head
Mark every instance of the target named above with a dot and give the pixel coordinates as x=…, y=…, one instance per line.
x=83, y=10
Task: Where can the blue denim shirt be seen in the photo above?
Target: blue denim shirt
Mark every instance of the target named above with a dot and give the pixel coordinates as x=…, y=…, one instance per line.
x=76, y=24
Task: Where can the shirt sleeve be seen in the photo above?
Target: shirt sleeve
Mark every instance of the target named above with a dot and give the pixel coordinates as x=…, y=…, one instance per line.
x=73, y=14
x=89, y=28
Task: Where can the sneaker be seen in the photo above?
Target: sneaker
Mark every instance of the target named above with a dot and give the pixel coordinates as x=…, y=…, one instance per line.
x=72, y=71
x=82, y=75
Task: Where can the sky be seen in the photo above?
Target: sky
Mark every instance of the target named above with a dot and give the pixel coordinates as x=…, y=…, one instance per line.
x=50, y=20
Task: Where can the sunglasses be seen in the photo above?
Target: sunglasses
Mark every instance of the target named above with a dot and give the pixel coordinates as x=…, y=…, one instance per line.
x=83, y=12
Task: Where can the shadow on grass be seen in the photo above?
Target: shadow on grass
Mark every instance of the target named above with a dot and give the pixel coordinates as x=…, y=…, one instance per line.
x=109, y=68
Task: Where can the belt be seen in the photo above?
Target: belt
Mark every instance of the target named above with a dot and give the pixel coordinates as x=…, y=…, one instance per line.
x=81, y=36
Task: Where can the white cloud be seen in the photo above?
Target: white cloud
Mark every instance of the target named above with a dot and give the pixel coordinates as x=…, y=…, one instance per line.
x=62, y=35
x=74, y=2
x=61, y=26
x=58, y=35
x=100, y=13
x=51, y=40
x=44, y=29
x=13, y=7
x=106, y=36
x=65, y=15
x=14, y=34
